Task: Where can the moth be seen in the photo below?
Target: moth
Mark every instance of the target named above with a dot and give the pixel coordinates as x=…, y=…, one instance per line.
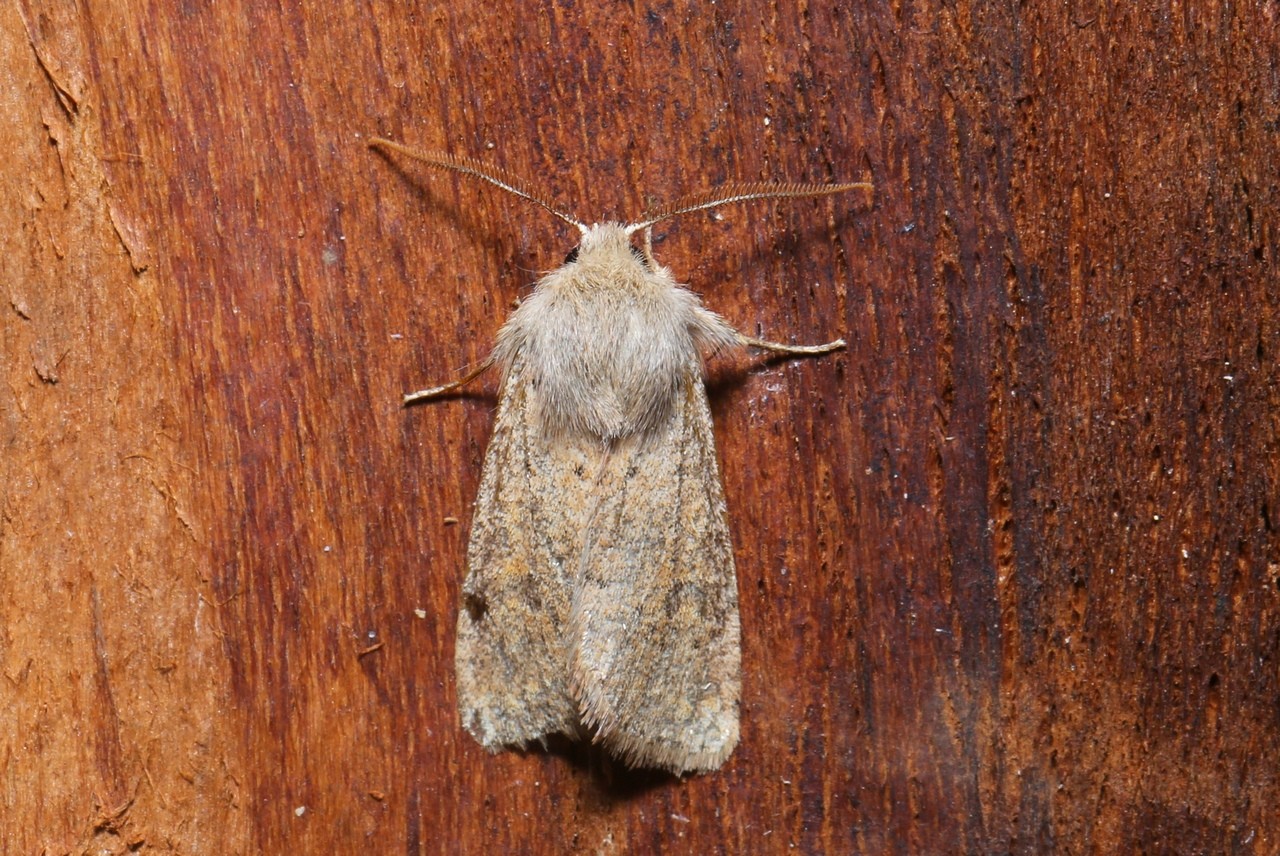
x=600, y=599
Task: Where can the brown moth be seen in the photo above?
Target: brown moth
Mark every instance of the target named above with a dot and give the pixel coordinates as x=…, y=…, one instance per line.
x=600, y=596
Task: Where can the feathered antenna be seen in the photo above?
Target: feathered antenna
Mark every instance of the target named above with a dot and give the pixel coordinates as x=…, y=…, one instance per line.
x=740, y=192
x=469, y=166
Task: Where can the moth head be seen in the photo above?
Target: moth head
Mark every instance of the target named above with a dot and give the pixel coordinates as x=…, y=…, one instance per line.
x=612, y=240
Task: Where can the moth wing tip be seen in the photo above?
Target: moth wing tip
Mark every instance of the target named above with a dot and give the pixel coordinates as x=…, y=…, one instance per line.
x=693, y=755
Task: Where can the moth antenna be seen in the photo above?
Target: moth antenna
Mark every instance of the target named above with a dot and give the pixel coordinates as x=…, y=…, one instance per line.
x=470, y=166
x=740, y=192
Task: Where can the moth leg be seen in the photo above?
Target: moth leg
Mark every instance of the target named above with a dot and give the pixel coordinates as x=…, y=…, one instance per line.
x=648, y=248
x=780, y=348
x=432, y=392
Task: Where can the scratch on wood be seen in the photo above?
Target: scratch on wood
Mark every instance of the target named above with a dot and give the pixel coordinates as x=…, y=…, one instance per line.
x=68, y=102
x=134, y=243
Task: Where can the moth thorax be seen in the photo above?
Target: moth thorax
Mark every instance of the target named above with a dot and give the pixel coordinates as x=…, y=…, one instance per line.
x=607, y=342
x=608, y=407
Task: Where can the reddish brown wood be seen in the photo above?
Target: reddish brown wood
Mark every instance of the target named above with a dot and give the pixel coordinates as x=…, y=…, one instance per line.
x=1009, y=565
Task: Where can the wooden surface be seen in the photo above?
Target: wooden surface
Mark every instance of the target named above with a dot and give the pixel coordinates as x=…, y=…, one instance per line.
x=1008, y=565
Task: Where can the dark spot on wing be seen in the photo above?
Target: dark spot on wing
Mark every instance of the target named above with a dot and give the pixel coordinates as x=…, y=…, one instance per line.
x=475, y=605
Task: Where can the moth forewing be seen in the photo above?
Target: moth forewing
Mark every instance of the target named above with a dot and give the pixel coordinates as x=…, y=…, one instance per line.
x=600, y=593
x=512, y=684
x=654, y=624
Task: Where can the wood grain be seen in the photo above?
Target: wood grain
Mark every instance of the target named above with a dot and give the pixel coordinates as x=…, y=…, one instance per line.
x=1008, y=565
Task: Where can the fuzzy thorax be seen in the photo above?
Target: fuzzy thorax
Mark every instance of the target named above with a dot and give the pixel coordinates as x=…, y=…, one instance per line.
x=609, y=338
